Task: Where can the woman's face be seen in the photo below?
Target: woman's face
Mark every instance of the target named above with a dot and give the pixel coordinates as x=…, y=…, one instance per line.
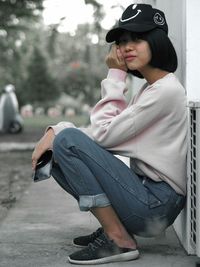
x=136, y=52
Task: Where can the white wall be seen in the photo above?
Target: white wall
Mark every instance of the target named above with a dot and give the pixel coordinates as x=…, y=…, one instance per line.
x=183, y=17
x=175, y=15
x=193, y=49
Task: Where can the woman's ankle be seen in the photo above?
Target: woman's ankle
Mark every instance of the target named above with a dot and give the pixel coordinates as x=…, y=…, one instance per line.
x=123, y=240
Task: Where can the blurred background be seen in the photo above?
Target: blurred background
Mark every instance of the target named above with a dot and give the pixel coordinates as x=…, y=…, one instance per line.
x=52, y=53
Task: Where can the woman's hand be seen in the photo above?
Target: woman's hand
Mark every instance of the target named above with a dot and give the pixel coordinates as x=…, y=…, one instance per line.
x=115, y=60
x=45, y=143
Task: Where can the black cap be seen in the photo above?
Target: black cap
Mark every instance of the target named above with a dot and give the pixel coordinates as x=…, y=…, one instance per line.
x=138, y=18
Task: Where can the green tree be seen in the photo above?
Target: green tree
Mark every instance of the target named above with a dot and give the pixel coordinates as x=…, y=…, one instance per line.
x=16, y=17
x=52, y=38
x=82, y=81
x=13, y=11
x=98, y=14
x=40, y=87
x=82, y=78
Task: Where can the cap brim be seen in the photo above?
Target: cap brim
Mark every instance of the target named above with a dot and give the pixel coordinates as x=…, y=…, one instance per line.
x=114, y=34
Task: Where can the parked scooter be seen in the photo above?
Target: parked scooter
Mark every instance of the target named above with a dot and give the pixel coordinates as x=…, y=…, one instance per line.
x=10, y=119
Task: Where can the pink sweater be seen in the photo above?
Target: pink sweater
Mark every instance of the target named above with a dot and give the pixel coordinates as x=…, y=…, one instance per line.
x=151, y=129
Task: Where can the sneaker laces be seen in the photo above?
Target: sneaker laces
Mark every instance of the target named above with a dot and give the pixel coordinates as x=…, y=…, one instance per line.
x=98, y=242
x=97, y=233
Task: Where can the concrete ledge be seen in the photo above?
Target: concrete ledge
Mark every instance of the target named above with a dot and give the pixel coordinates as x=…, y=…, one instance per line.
x=16, y=146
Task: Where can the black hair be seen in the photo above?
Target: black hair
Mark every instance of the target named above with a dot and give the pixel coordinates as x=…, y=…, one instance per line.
x=163, y=53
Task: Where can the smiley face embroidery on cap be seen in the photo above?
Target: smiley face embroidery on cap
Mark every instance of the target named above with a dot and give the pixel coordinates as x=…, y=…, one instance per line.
x=138, y=11
x=158, y=19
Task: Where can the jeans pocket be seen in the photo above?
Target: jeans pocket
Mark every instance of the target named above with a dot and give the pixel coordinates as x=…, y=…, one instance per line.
x=153, y=201
x=159, y=193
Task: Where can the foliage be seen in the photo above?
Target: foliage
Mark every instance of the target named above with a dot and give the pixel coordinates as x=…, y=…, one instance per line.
x=15, y=17
x=98, y=14
x=79, y=65
x=12, y=11
x=39, y=86
x=73, y=61
x=81, y=81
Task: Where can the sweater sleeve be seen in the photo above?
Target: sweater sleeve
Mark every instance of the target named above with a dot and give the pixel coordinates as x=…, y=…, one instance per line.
x=120, y=102
x=113, y=122
x=60, y=126
x=65, y=124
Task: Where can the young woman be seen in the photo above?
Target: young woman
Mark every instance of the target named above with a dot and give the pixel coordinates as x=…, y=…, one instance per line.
x=151, y=130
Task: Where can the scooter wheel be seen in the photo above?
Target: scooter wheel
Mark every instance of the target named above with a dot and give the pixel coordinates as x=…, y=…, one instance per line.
x=15, y=127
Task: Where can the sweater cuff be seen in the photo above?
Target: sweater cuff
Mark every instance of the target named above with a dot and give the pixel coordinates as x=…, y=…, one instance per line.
x=60, y=126
x=117, y=74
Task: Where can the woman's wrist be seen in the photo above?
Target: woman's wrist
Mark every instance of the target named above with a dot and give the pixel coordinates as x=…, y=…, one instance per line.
x=117, y=74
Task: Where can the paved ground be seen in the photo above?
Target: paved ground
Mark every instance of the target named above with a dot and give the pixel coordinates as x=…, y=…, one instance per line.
x=15, y=176
x=15, y=152
x=38, y=230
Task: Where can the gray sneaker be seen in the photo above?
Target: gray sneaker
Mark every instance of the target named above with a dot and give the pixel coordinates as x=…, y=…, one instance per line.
x=83, y=241
x=103, y=250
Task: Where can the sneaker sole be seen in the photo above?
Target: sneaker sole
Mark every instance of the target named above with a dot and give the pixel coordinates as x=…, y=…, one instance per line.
x=128, y=256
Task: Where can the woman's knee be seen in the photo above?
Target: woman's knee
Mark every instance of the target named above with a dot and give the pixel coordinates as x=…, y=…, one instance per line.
x=67, y=137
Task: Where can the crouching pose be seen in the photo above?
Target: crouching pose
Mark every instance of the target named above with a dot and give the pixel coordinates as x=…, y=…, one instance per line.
x=151, y=130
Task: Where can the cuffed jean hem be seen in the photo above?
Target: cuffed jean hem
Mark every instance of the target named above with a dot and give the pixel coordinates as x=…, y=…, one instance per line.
x=87, y=202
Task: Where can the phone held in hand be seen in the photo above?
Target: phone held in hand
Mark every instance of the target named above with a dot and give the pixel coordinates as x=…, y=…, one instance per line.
x=43, y=167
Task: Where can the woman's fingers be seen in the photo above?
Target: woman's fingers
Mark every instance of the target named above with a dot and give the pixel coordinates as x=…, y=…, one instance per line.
x=119, y=55
x=43, y=145
x=37, y=153
x=115, y=59
x=34, y=163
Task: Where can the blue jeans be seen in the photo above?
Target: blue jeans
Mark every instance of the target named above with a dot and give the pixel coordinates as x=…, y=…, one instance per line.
x=96, y=178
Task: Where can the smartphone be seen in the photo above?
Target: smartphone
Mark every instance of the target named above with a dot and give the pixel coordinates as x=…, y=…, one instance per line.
x=43, y=167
